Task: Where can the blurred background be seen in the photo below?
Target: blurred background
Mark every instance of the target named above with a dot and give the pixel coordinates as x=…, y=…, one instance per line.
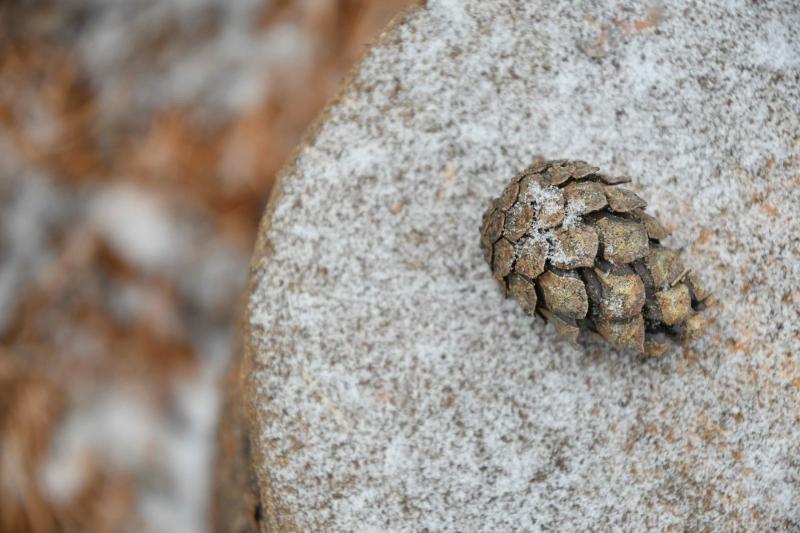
x=139, y=140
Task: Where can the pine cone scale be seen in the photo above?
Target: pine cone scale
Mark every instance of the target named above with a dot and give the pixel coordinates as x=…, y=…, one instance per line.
x=564, y=293
x=623, y=241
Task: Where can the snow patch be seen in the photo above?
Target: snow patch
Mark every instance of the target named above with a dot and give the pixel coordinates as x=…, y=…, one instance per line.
x=137, y=225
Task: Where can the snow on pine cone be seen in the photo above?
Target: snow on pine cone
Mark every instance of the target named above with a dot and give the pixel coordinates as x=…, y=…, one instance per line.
x=567, y=243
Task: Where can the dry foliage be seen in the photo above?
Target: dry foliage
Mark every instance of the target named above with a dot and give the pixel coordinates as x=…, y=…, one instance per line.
x=58, y=122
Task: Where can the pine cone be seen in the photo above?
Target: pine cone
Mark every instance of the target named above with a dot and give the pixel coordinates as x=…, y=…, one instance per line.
x=569, y=245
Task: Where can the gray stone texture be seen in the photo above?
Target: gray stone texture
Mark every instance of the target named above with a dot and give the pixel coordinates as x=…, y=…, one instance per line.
x=390, y=385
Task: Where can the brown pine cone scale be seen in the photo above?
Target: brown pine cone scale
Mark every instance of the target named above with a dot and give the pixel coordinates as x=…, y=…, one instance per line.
x=568, y=244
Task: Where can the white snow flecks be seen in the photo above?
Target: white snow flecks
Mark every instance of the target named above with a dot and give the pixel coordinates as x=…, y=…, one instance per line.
x=776, y=49
x=574, y=214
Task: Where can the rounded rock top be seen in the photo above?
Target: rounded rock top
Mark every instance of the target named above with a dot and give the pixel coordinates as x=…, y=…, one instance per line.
x=390, y=388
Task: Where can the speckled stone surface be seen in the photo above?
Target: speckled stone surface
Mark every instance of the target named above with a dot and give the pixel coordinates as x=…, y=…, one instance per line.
x=391, y=388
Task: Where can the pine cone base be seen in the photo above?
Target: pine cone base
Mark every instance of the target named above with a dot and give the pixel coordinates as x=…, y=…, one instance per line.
x=570, y=245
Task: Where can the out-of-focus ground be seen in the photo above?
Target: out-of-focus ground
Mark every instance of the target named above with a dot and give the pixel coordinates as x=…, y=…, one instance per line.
x=139, y=140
